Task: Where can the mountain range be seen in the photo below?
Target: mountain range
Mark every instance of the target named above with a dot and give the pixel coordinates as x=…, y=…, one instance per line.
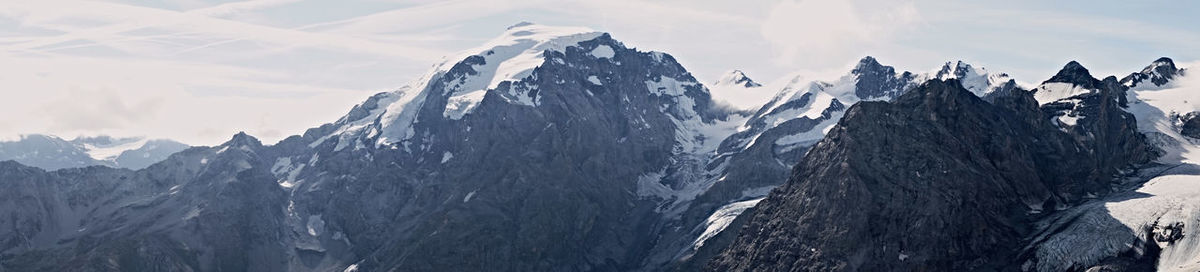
x=563, y=149
x=52, y=153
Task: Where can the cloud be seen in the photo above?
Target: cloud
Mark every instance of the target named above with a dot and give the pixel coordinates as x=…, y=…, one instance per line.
x=120, y=20
x=822, y=33
x=105, y=112
x=72, y=95
x=234, y=8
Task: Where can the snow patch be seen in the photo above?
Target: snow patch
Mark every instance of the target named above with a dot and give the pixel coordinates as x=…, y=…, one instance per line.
x=459, y=105
x=720, y=219
x=1067, y=119
x=469, y=196
x=594, y=80
x=446, y=156
x=603, y=51
x=1055, y=91
x=111, y=152
x=315, y=225
x=975, y=79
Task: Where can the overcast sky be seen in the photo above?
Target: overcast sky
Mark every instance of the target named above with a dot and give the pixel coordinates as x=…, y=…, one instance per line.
x=198, y=71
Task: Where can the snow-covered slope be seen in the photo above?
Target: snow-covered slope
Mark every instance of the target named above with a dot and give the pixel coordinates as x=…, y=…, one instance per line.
x=461, y=82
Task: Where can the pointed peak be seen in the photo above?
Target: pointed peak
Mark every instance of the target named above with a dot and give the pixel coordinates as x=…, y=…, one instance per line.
x=954, y=69
x=870, y=66
x=737, y=78
x=243, y=139
x=1164, y=66
x=1075, y=73
x=867, y=62
x=1074, y=66
x=1159, y=73
x=1164, y=61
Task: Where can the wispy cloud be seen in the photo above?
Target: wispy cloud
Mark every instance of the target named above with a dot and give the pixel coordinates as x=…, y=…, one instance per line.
x=123, y=19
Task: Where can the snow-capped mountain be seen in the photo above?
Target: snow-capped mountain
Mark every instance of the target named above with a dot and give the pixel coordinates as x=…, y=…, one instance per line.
x=1147, y=225
x=1095, y=216
x=736, y=78
x=778, y=134
x=976, y=79
x=1157, y=74
x=548, y=148
x=51, y=153
x=739, y=91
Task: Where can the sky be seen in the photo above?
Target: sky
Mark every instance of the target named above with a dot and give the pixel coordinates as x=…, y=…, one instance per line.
x=199, y=71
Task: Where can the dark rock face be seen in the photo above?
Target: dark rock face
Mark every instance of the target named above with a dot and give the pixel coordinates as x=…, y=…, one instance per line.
x=756, y=160
x=1102, y=126
x=937, y=180
x=1190, y=125
x=1075, y=73
x=877, y=80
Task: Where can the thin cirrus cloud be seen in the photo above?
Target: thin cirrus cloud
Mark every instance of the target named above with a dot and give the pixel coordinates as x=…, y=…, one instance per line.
x=199, y=71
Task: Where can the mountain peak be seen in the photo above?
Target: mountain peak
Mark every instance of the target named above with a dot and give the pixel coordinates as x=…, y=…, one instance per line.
x=1165, y=61
x=867, y=62
x=243, y=139
x=1075, y=73
x=737, y=78
x=955, y=69
x=1158, y=73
